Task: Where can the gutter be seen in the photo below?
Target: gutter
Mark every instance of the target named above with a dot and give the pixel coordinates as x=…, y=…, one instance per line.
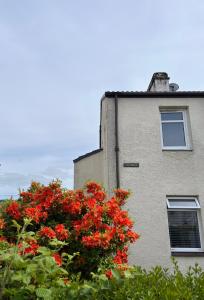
x=116, y=143
x=100, y=142
x=178, y=94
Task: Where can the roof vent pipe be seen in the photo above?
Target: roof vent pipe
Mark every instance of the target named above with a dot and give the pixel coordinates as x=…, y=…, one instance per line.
x=173, y=87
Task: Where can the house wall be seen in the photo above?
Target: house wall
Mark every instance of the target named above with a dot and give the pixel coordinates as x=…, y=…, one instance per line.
x=89, y=168
x=108, y=143
x=160, y=173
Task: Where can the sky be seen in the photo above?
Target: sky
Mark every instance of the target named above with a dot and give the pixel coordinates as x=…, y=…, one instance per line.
x=57, y=58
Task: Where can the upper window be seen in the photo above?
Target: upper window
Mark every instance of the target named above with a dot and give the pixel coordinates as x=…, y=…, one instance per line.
x=184, y=224
x=174, y=129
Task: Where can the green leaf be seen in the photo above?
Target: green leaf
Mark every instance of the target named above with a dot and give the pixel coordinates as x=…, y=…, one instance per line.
x=27, y=221
x=45, y=251
x=57, y=243
x=18, y=262
x=43, y=293
x=15, y=224
x=116, y=274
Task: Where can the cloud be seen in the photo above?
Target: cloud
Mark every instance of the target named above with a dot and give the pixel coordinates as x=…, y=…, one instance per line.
x=10, y=182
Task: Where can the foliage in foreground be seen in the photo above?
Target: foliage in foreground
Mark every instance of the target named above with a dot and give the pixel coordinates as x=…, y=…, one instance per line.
x=138, y=284
x=39, y=277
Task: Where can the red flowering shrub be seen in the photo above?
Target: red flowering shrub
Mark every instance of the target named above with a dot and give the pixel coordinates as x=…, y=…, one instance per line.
x=86, y=221
x=61, y=232
x=13, y=210
x=57, y=259
x=47, y=232
x=31, y=248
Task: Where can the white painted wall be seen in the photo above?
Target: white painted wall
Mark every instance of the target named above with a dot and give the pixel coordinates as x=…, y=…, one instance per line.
x=160, y=173
x=89, y=168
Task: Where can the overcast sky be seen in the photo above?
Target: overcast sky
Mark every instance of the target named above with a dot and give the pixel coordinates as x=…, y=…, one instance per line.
x=57, y=58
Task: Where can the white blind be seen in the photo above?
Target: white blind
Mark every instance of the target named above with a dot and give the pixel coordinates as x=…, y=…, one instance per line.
x=184, y=229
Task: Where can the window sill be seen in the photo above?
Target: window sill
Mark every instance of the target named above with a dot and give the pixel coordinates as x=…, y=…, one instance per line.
x=187, y=254
x=174, y=149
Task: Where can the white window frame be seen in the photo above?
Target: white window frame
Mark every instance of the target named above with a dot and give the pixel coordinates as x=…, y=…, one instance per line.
x=185, y=126
x=189, y=208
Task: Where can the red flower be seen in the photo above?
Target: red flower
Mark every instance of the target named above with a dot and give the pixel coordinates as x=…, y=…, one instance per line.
x=92, y=219
x=121, y=235
x=31, y=249
x=109, y=274
x=121, y=196
x=2, y=223
x=121, y=257
x=62, y=233
x=79, y=195
x=26, y=196
x=91, y=203
x=93, y=187
x=98, y=239
x=70, y=206
x=100, y=196
x=57, y=259
x=132, y=236
x=2, y=239
x=47, y=232
x=121, y=219
x=112, y=207
x=13, y=210
x=36, y=213
x=123, y=267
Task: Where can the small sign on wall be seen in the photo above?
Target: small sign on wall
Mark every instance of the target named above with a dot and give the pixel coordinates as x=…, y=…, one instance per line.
x=131, y=165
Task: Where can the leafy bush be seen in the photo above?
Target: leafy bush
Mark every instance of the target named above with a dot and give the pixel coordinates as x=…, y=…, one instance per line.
x=86, y=220
x=79, y=231
x=157, y=284
x=26, y=277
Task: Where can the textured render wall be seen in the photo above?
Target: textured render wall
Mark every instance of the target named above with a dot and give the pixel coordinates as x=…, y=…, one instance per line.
x=160, y=173
x=108, y=143
x=89, y=168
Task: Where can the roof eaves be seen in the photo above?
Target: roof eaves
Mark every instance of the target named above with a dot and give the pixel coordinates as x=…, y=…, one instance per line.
x=87, y=155
x=132, y=94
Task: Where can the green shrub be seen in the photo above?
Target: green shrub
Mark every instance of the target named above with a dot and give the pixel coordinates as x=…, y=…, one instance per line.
x=39, y=277
x=138, y=284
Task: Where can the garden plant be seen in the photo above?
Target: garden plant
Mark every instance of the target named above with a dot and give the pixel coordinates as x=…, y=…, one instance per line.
x=61, y=244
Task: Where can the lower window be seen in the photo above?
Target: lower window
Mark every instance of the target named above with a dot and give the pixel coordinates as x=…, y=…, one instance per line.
x=184, y=224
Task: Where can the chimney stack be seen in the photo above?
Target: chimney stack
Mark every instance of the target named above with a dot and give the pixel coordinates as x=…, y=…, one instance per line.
x=159, y=82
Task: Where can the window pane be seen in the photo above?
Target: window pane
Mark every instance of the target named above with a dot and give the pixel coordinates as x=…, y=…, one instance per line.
x=183, y=229
x=176, y=203
x=173, y=134
x=166, y=116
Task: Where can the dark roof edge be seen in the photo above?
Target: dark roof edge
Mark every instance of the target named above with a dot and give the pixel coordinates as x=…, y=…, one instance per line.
x=87, y=155
x=155, y=94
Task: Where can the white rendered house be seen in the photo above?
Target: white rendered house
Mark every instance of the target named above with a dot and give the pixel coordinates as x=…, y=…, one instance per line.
x=152, y=143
